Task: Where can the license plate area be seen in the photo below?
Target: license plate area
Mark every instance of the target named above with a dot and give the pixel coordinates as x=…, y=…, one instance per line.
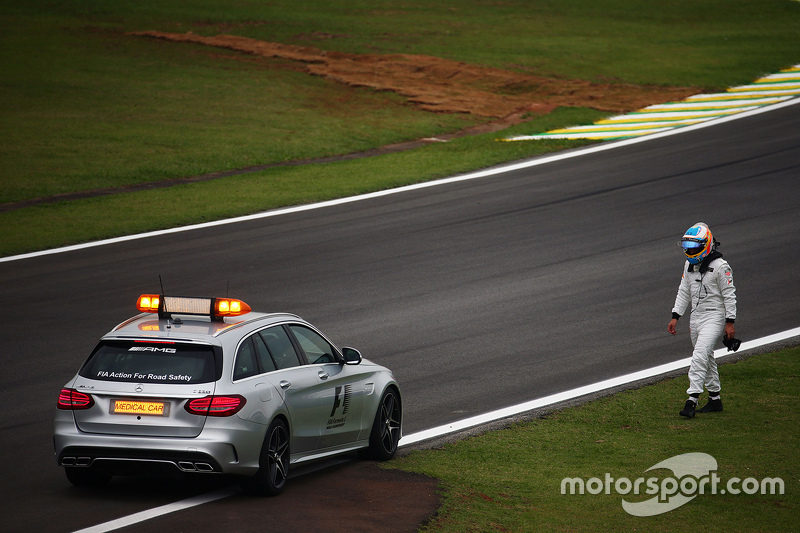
x=140, y=407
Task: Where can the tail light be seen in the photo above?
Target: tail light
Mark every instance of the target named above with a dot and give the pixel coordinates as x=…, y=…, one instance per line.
x=73, y=400
x=216, y=405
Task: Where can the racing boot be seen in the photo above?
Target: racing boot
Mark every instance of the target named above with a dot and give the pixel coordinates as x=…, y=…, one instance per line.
x=714, y=404
x=688, y=409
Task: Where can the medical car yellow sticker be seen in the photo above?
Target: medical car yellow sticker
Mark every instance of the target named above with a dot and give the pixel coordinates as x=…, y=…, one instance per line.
x=138, y=407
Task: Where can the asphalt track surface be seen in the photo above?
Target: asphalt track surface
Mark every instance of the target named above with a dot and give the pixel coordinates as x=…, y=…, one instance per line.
x=479, y=295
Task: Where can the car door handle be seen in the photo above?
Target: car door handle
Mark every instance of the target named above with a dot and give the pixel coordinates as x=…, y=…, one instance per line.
x=322, y=374
x=285, y=384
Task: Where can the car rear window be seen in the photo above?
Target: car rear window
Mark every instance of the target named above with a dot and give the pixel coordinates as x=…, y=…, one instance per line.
x=144, y=362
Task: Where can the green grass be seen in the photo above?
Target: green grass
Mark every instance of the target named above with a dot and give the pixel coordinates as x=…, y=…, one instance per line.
x=87, y=106
x=510, y=480
x=51, y=225
x=99, y=109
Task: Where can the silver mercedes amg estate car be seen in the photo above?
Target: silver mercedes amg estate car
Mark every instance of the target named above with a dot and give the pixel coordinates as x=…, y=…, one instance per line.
x=205, y=385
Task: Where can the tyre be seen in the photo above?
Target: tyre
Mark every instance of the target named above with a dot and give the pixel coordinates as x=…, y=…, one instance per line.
x=86, y=477
x=386, y=427
x=273, y=462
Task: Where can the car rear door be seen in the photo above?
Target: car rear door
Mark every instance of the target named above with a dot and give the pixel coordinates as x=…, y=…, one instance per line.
x=294, y=381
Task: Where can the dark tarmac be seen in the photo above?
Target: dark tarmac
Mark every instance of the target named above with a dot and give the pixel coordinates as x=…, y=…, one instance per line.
x=354, y=496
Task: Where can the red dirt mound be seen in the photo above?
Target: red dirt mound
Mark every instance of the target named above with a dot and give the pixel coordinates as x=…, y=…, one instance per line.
x=446, y=86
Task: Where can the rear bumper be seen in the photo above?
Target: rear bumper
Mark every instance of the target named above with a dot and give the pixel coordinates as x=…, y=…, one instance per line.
x=215, y=450
x=134, y=462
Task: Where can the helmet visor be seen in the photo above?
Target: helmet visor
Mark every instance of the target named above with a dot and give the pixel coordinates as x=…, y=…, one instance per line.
x=692, y=247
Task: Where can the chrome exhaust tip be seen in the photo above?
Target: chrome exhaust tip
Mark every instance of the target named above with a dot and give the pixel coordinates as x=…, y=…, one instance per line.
x=204, y=467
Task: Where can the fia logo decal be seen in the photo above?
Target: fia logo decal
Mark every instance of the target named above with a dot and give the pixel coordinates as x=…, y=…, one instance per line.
x=343, y=401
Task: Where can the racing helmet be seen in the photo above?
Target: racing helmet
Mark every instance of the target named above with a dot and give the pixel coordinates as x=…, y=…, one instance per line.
x=697, y=243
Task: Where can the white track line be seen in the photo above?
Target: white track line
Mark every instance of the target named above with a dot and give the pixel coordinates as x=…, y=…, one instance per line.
x=582, y=391
x=130, y=520
x=463, y=177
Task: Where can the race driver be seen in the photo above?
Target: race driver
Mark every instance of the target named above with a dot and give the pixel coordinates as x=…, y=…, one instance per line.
x=706, y=286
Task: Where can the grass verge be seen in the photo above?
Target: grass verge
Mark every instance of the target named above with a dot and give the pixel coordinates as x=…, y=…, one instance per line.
x=89, y=107
x=53, y=225
x=510, y=480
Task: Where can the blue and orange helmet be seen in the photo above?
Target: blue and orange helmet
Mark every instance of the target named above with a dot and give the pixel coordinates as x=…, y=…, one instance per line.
x=697, y=243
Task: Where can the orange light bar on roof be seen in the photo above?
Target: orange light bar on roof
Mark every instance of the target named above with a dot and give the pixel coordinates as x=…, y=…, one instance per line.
x=230, y=307
x=166, y=306
x=148, y=303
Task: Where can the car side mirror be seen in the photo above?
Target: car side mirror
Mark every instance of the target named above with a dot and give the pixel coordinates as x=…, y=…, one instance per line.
x=351, y=356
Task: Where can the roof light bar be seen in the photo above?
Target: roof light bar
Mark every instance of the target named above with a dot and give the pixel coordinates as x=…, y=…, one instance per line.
x=215, y=308
x=230, y=307
x=148, y=303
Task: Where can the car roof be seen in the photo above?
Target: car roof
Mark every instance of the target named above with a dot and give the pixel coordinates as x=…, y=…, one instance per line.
x=192, y=328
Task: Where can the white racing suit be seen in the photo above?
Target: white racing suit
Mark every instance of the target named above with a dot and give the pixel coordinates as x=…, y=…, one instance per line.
x=712, y=297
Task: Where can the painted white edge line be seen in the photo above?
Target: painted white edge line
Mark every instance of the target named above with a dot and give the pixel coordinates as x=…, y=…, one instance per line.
x=721, y=104
x=506, y=412
x=460, y=425
x=604, y=125
x=454, y=179
x=746, y=95
x=129, y=520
